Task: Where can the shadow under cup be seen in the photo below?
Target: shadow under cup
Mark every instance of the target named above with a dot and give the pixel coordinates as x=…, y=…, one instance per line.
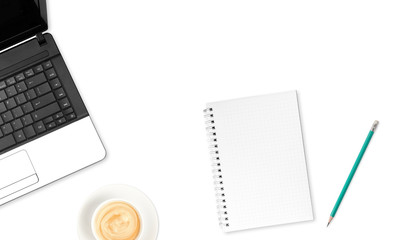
x=116, y=220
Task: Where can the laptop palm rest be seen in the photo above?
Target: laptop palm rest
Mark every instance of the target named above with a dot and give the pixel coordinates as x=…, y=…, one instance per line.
x=16, y=173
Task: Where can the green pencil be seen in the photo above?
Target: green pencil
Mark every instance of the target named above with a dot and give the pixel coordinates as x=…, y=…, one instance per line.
x=354, y=168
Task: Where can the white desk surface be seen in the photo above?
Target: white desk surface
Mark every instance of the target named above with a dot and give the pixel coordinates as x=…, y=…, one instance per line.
x=146, y=69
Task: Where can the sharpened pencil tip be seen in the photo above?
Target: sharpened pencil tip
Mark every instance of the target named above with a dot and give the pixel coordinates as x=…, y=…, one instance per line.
x=330, y=220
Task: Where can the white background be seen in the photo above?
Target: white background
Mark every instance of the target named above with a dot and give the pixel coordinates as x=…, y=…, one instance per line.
x=146, y=69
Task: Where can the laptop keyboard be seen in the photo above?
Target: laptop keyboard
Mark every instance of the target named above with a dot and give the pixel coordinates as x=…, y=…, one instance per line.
x=32, y=103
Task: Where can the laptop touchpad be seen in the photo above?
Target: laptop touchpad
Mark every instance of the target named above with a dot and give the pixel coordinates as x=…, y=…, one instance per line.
x=16, y=173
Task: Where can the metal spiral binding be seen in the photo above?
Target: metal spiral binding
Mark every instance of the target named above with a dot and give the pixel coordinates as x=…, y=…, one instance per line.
x=217, y=171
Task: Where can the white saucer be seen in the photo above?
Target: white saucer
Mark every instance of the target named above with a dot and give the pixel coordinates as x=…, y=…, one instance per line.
x=144, y=205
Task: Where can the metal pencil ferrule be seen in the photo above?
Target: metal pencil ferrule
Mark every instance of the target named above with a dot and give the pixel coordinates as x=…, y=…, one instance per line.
x=374, y=126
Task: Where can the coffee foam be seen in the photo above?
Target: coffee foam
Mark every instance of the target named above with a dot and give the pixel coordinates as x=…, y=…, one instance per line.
x=117, y=220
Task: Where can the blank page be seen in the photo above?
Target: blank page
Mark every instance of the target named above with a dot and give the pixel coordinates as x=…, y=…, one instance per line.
x=262, y=160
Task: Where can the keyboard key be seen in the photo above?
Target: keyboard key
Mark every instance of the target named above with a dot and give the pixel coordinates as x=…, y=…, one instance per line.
x=48, y=120
x=10, y=103
x=68, y=111
x=47, y=65
x=7, y=116
x=43, y=100
x=38, y=69
x=51, y=125
x=10, y=81
x=29, y=73
x=60, y=93
x=19, y=136
x=3, y=96
x=46, y=111
x=2, y=107
x=6, y=142
x=51, y=74
x=64, y=103
x=1, y=121
x=70, y=116
x=27, y=120
x=11, y=91
x=2, y=85
x=17, y=112
x=58, y=115
x=20, y=99
x=39, y=127
x=31, y=94
x=28, y=107
x=21, y=87
x=20, y=77
x=36, y=80
x=42, y=89
x=55, y=83
x=29, y=132
x=61, y=121
x=1, y=134
x=17, y=124
x=7, y=129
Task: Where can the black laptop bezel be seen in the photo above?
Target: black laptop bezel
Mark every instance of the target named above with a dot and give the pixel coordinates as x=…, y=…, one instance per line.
x=31, y=32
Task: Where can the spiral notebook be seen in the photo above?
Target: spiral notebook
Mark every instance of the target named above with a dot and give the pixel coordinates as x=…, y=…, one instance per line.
x=260, y=172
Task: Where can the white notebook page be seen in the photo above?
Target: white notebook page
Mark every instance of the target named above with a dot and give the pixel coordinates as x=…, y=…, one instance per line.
x=262, y=158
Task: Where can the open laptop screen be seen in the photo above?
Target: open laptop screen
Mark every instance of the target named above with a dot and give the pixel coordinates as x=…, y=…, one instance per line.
x=21, y=19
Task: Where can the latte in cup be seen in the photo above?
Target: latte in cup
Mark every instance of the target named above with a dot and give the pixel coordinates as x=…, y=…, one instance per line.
x=116, y=220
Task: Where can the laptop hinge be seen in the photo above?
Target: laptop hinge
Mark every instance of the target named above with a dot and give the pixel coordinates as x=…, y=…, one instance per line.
x=41, y=40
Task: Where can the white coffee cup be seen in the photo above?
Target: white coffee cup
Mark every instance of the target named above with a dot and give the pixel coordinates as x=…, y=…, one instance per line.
x=103, y=204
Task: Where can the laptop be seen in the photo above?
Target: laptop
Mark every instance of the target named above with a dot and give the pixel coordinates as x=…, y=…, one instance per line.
x=46, y=131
